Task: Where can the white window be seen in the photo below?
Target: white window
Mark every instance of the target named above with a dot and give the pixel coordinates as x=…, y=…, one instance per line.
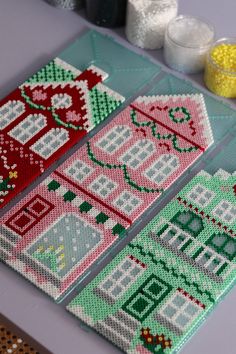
x=79, y=171
x=103, y=186
x=175, y=237
x=225, y=211
x=61, y=100
x=127, y=202
x=10, y=111
x=114, y=139
x=223, y=244
x=201, y=195
x=210, y=260
x=28, y=128
x=162, y=168
x=124, y=275
x=181, y=310
x=138, y=153
x=50, y=142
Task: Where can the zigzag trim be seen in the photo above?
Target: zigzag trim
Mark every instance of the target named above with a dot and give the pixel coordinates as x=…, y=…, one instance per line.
x=172, y=271
x=203, y=215
x=123, y=168
x=84, y=207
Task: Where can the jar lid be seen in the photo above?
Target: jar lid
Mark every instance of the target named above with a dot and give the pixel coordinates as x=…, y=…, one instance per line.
x=190, y=32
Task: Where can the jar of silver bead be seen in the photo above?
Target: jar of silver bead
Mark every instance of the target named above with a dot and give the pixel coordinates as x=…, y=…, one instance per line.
x=147, y=21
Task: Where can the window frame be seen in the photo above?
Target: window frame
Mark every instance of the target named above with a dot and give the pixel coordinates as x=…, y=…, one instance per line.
x=224, y=211
x=136, y=155
x=199, y=195
x=134, y=264
x=159, y=171
x=102, y=186
x=79, y=170
x=121, y=207
x=180, y=310
x=112, y=141
x=53, y=138
x=14, y=104
x=30, y=119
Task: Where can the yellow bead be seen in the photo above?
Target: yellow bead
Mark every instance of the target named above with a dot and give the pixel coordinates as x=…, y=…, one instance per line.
x=220, y=71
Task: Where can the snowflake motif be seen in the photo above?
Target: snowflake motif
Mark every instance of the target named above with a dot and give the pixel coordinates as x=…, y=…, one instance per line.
x=72, y=116
x=13, y=174
x=39, y=95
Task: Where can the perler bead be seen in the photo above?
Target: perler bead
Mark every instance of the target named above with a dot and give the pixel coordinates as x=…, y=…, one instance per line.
x=160, y=287
x=46, y=116
x=65, y=224
x=12, y=344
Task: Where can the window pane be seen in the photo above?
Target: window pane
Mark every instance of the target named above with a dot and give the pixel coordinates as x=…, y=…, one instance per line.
x=162, y=168
x=169, y=311
x=182, y=320
x=179, y=301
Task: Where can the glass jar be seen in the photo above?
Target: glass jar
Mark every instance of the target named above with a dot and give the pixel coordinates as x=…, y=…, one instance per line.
x=187, y=42
x=106, y=13
x=220, y=70
x=147, y=21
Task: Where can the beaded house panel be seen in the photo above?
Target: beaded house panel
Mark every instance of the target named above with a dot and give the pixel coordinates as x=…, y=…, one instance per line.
x=66, y=223
x=44, y=117
x=160, y=287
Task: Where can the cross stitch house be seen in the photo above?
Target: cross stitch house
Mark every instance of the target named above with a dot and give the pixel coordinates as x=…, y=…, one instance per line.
x=63, y=226
x=152, y=295
x=45, y=116
x=142, y=152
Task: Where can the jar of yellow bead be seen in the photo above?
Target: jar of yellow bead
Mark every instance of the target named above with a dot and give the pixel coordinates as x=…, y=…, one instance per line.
x=220, y=70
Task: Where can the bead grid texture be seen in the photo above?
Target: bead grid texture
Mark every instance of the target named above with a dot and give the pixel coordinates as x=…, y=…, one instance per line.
x=46, y=116
x=158, y=289
x=64, y=225
x=12, y=344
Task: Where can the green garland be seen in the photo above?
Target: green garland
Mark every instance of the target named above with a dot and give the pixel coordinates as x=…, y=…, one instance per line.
x=123, y=168
x=153, y=126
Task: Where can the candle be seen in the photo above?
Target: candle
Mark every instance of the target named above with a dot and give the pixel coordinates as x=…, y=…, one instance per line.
x=106, y=13
x=220, y=71
x=187, y=41
x=147, y=21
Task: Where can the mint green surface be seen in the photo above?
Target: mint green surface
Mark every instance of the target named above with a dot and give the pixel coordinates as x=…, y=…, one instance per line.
x=128, y=71
x=225, y=158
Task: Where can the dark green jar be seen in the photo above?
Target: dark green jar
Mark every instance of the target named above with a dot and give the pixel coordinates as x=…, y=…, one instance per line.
x=106, y=13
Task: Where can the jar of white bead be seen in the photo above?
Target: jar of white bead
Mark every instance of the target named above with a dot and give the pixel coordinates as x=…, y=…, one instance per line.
x=187, y=42
x=147, y=21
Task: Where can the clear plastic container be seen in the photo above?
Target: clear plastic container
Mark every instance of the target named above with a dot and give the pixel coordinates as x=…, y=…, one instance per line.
x=220, y=71
x=187, y=42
